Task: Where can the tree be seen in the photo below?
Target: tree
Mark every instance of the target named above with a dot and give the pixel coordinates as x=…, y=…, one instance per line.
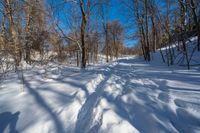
x=115, y=36
x=183, y=29
x=85, y=10
x=194, y=4
x=104, y=10
x=35, y=33
x=92, y=41
x=11, y=15
x=140, y=11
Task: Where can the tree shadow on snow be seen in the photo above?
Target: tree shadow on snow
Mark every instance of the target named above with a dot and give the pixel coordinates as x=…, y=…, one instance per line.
x=85, y=122
x=150, y=114
x=43, y=104
x=153, y=111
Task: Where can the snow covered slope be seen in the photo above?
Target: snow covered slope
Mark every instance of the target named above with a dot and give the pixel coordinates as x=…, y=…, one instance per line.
x=179, y=57
x=125, y=96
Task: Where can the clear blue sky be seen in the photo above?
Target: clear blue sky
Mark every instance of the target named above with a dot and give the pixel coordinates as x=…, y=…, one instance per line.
x=116, y=12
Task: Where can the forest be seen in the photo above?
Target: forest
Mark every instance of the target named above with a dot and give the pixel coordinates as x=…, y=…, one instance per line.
x=83, y=29
x=98, y=66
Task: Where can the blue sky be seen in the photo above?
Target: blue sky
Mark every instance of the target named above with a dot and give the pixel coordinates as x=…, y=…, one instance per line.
x=116, y=12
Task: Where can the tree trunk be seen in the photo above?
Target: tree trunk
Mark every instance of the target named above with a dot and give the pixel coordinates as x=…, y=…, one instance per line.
x=147, y=47
x=83, y=61
x=107, y=50
x=77, y=56
x=83, y=28
x=196, y=23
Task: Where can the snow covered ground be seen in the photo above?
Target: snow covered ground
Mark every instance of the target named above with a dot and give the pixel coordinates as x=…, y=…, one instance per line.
x=125, y=96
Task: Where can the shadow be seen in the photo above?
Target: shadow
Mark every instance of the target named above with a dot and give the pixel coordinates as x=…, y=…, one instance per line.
x=62, y=98
x=72, y=83
x=148, y=98
x=85, y=116
x=9, y=119
x=164, y=97
x=183, y=115
x=146, y=107
x=41, y=102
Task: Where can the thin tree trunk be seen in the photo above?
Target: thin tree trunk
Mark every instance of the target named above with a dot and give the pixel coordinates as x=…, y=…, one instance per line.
x=83, y=28
x=147, y=32
x=196, y=23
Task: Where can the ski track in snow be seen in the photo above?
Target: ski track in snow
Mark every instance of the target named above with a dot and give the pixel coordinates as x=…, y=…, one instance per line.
x=127, y=96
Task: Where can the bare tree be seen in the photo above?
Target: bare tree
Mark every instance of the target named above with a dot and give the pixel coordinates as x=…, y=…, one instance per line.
x=183, y=29
x=85, y=12
x=194, y=8
x=115, y=35
x=104, y=10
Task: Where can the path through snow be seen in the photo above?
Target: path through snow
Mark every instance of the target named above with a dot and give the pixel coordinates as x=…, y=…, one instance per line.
x=127, y=96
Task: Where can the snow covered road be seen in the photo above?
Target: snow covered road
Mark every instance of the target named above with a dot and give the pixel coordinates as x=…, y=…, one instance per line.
x=127, y=96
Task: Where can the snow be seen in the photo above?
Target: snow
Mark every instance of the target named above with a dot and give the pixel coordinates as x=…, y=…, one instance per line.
x=128, y=95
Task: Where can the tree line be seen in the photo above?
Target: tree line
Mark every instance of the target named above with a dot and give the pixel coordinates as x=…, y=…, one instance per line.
x=74, y=29
x=164, y=23
x=81, y=29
